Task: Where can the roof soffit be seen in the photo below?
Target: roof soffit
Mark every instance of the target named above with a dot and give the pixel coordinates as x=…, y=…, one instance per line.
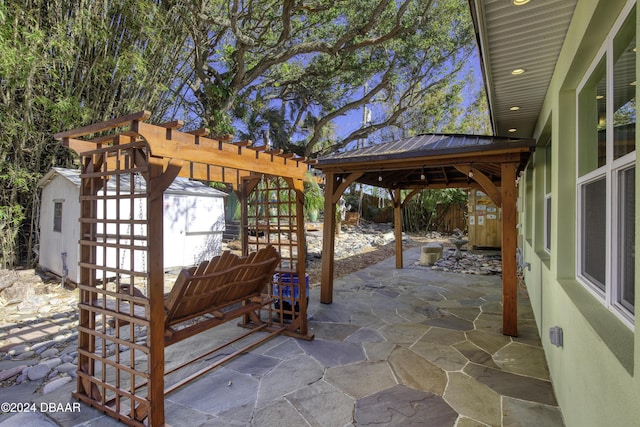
x=528, y=37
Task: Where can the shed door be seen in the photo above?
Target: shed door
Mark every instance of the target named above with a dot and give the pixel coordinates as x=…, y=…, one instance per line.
x=485, y=224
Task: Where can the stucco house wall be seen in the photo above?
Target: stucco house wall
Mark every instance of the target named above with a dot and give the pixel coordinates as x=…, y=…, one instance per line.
x=595, y=371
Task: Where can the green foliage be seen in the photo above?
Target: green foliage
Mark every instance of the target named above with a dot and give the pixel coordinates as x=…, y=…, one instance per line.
x=626, y=114
x=313, y=196
x=10, y=219
x=420, y=214
x=292, y=69
x=64, y=64
x=446, y=109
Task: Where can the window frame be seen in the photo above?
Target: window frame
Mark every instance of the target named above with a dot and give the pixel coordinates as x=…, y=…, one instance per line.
x=58, y=209
x=610, y=296
x=547, y=197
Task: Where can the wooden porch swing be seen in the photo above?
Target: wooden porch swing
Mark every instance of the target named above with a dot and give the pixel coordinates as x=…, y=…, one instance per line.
x=121, y=370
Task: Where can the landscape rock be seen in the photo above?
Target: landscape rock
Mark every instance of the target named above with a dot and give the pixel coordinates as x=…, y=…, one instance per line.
x=470, y=263
x=24, y=356
x=42, y=346
x=66, y=367
x=55, y=384
x=38, y=371
x=7, y=278
x=50, y=352
x=8, y=373
x=19, y=349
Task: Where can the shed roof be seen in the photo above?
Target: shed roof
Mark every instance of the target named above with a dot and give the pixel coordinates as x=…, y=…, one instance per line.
x=178, y=186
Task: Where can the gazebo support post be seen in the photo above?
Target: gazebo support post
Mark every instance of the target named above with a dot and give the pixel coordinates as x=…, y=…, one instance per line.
x=397, y=224
x=302, y=254
x=509, y=246
x=328, y=240
x=335, y=186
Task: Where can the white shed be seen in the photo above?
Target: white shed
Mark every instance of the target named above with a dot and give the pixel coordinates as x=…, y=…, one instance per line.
x=193, y=223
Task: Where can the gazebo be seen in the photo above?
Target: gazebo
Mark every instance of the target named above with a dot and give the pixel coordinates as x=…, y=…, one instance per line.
x=491, y=164
x=126, y=165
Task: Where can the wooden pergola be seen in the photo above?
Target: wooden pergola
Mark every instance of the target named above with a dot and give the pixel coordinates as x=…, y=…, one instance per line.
x=434, y=161
x=126, y=163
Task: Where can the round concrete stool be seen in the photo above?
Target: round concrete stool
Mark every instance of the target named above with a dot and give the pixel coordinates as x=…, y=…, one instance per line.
x=431, y=253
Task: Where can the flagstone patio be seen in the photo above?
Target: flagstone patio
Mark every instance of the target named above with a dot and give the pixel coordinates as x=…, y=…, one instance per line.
x=396, y=348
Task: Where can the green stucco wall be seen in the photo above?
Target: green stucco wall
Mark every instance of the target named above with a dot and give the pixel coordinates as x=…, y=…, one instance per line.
x=596, y=374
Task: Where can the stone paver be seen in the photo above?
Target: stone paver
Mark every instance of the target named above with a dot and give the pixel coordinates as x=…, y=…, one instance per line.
x=323, y=405
x=523, y=359
x=237, y=394
x=403, y=406
x=473, y=399
x=361, y=379
x=403, y=333
x=512, y=385
x=278, y=413
x=292, y=374
x=333, y=353
x=475, y=354
x=417, y=372
x=520, y=413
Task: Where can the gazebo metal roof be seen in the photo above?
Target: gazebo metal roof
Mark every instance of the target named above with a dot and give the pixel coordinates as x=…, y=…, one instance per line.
x=430, y=160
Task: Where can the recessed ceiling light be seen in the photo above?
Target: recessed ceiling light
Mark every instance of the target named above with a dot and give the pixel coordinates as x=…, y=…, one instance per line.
x=513, y=130
x=633, y=83
x=599, y=96
x=520, y=2
x=514, y=108
x=518, y=71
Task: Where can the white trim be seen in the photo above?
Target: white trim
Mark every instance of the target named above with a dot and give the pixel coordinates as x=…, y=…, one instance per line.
x=547, y=197
x=610, y=173
x=580, y=243
x=616, y=273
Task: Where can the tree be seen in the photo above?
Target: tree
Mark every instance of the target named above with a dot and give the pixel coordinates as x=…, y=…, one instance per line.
x=308, y=61
x=447, y=110
x=64, y=64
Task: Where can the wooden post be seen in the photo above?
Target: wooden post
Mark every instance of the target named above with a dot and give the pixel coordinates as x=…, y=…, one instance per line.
x=328, y=240
x=302, y=257
x=509, y=245
x=243, y=198
x=87, y=319
x=397, y=224
x=155, y=270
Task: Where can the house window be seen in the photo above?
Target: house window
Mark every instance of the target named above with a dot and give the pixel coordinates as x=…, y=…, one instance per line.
x=547, y=197
x=626, y=236
x=606, y=172
x=57, y=216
